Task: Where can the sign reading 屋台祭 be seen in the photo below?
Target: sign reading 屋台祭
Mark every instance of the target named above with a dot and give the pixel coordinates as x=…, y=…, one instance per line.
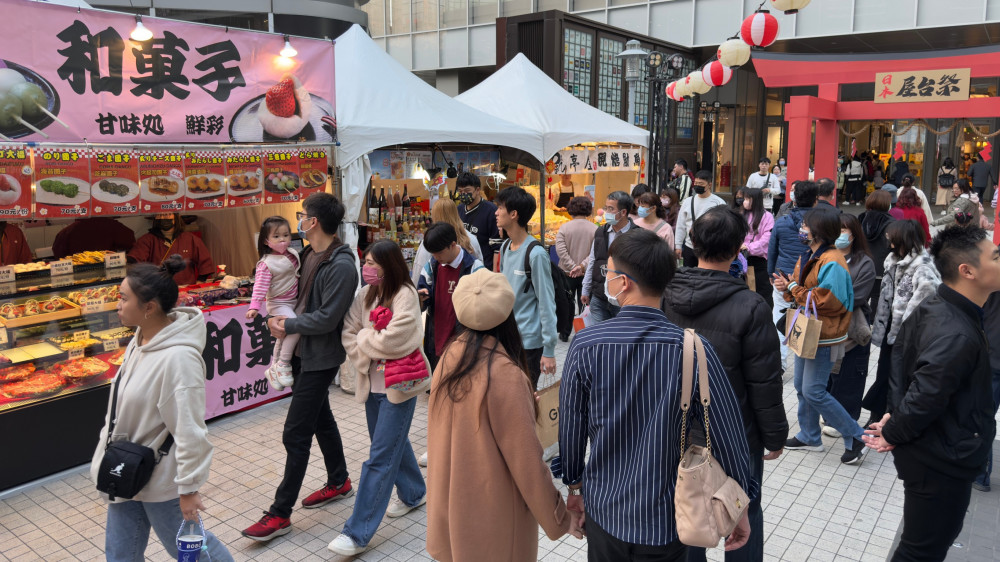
x=920, y=86
x=79, y=76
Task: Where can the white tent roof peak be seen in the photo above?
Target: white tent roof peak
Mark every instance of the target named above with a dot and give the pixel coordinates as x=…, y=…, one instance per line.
x=379, y=103
x=521, y=93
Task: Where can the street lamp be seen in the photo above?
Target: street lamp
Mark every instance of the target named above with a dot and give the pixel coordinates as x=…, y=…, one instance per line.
x=661, y=69
x=634, y=56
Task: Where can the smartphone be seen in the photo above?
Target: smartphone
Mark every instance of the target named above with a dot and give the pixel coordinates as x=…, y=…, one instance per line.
x=782, y=273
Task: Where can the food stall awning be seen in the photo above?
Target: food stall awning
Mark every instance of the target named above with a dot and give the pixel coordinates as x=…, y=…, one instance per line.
x=523, y=94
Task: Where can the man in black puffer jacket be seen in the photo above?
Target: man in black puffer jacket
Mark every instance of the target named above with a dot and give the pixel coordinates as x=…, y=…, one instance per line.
x=737, y=321
x=940, y=427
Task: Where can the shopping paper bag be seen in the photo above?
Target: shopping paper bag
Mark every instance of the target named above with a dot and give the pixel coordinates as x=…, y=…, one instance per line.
x=547, y=422
x=751, y=278
x=803, y=329
x=583, y=320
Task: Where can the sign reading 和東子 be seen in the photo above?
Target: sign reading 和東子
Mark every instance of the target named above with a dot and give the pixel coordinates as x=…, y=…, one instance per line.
x=81, y=78
x=926, y=85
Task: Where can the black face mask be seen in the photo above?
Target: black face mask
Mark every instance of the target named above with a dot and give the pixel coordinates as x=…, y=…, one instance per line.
x=738, y=201
x=465, y=198
x=699, y=189
x=164, y=224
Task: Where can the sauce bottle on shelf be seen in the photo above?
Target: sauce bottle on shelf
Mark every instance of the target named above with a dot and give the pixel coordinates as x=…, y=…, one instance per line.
x=398, y=204
x=406, y=202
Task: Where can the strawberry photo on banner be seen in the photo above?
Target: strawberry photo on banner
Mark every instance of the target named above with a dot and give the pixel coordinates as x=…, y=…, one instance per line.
x=161, y=175
x=115, y=182
x=205, y=179
x=62, y=182
x=243, y=180
x=15, y=181
x=281, y=176
x=313, y=171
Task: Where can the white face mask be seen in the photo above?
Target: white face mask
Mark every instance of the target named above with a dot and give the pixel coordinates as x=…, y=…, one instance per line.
x=612, y=299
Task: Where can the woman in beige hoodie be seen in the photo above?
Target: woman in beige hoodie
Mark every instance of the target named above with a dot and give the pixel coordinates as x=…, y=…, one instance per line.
x=161, y=393
x=389, y=411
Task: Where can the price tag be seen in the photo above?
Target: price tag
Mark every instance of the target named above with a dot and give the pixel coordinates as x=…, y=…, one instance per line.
x=61, y=267
x=111, y=345
x=77, y=353
x=81, y=335
x=3, y=336
x=116, y=273
x=7, y=288
x=62, y=281
x=7, y=274
x=114, y=261
x=91, y=306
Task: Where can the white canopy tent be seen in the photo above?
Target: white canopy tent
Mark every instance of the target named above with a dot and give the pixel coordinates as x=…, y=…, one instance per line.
x=521, y=93
x=380, y=103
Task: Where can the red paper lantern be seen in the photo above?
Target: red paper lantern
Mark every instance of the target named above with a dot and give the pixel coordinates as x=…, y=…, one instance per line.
x=760, y=29
x=672, y=93
x=716, y=74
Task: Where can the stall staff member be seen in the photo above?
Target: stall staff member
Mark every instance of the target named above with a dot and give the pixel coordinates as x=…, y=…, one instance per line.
x=167, y=237
x=13, y=246
x=93, y=234
x=565, y=191
x=477, y=214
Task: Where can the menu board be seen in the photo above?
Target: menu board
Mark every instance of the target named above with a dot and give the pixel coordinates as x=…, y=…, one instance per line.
x=161, y=181
x=243, y=183
x=313, y=171
x=15, y=181
x=62, y=182
x=205, y=179
x=115, y=182
x=281, y=176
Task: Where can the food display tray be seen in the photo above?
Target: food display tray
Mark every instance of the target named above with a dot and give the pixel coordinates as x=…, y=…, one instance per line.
x=70, y=310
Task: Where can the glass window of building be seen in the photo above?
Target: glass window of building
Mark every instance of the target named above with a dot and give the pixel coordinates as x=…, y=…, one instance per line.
x=609, y=76
x=454, y=13
x=775, y=104
x=642, y=100
x=562, y=5
x=983, y=88
x=398, y=16
x=578, y=52
x=483, y=11
x=424, y=14
x=581, y=5
x=515, y=7
x=376, y=16
x=684, y=128
x=624, y=2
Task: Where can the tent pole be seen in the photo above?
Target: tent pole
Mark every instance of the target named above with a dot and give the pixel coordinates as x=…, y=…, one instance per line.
x=543, y=194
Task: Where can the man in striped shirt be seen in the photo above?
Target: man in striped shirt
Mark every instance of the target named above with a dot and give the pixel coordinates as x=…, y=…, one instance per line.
x=621, y=391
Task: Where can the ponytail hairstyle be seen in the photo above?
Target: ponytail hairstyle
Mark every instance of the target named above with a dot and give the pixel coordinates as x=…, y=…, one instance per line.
x=151, y=282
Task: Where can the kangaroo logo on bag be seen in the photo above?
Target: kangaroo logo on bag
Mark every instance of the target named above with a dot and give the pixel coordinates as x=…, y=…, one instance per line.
x=117, y=471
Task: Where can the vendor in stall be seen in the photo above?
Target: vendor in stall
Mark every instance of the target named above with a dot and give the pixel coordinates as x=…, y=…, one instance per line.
x=93, y=234
x=13, y=246
x=563, y=192
x=167, y=237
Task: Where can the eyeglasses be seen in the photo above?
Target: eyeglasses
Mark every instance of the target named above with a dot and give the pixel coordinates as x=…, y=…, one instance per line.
x=605, y=270
x=299, y=215
x=612, y=210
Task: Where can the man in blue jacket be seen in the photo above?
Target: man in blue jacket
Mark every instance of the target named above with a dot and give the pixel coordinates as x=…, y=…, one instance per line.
x=785, y=248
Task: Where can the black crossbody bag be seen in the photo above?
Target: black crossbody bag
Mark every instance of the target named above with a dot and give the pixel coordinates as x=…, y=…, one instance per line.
x=126, y=467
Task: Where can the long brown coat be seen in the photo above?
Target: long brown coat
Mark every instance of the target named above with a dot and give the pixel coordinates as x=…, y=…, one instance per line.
x=487, y=486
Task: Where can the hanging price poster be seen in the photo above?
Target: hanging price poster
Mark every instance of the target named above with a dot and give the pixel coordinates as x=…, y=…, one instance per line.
x=205, y=179
x=161, y=185
x=62, y=182
x=312, y=171
x=115, y=187
x=281, y=176
x=15, y=181
x=244, y=179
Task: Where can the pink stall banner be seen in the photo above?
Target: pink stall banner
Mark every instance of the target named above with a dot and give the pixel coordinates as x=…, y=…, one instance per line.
x=161, y=185
x=205, y=179
x=244, y=168
x=15, y=181
x=82, y=78
x=62, y=182
x=281, y=176
x=114, y=189
x=313, y=171
x=237, y=352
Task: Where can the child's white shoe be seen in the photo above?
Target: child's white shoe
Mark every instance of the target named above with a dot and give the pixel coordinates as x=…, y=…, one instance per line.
x=273, y=378
x=284, y=371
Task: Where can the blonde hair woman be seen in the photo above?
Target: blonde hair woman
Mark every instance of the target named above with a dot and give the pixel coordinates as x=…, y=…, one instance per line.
x=445, y=210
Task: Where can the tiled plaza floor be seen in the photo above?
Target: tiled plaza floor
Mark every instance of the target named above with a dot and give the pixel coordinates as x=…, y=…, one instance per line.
x=815, y=509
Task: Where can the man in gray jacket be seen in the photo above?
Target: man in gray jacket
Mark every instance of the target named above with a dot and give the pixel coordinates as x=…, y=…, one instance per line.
x=327, y=285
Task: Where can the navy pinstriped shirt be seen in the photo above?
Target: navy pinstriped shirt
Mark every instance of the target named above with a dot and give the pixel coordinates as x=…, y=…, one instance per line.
x=621, y=387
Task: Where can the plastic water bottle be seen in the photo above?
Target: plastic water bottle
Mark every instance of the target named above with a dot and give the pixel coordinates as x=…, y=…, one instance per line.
x=190, y=540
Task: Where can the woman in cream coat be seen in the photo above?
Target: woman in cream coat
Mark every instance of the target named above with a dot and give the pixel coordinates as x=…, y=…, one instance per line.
x=389, y=411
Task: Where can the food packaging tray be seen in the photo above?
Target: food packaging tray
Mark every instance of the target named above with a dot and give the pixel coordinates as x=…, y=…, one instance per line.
x=69, y=310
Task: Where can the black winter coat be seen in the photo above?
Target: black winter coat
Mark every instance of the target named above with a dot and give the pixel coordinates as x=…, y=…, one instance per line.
x=874, y=223
x=940, y=388
x=737, y=322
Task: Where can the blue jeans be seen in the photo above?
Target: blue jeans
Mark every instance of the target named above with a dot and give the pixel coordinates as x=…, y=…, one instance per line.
x=390, y=461
x=128, y=531
x=753, y=550
x=601, y=310
x=984, y=478
x=811, y=378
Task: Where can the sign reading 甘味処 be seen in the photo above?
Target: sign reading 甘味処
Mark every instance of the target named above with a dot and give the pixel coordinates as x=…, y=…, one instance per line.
x=920, y=86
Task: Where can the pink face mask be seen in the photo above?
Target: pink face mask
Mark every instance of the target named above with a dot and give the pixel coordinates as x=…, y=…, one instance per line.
x=279, y=247
x=370, y=275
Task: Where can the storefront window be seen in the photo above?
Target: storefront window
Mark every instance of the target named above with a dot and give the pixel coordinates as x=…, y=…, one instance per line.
x=578, y=52
x=912, y=142
x=775, y=104
x=483, y=11
x=515, y=7
x=609, y=77
x=686, y=110
x=454, y=13
x=425, y=14
x=376, y=16
x=398, y=14
x=774, y=143
x=983, y=88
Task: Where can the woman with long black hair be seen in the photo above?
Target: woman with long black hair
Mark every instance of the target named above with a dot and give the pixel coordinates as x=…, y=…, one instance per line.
x=749, y=202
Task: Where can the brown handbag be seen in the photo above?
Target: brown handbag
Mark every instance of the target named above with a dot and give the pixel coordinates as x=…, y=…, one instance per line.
x=708, y=504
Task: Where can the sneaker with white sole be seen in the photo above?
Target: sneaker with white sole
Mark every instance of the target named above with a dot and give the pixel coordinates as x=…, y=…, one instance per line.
x=284, y=377
x=854, y=454
x=271, y=374
x=830, y=431
x=794, y=444
x=344, y=545
x=398, y=508
x=422, y=461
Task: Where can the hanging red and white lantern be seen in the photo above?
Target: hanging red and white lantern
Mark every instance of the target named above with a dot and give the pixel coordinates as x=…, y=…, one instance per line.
x=734, y=53
x=716, y=74
x=789, y=6
x=760, y=29
x=696, y=83
x=681, y=90
x=672, y=93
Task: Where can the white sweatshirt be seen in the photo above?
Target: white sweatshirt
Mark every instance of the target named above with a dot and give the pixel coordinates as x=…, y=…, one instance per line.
x=163, y=390
x=685, y=220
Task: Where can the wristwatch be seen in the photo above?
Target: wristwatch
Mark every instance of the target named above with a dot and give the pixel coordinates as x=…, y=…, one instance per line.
x=575, y=491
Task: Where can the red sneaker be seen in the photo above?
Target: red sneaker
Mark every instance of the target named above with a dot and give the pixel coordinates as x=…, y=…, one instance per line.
x=327, y=494
x=269, y=527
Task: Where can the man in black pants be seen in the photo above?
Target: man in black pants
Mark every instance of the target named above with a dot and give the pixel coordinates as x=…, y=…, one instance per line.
x=327, y=284
x=940, y=426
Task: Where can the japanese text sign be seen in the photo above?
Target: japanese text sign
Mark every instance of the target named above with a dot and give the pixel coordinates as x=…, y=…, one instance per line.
x=927, y=85
x=205, y=179
x=162, y=185
x=15, y=181
x=244, y=185
x=313, y=169
x=62, y=182
x=588, y=160
x=189, y=83
x=115, y=177
x=281, y=176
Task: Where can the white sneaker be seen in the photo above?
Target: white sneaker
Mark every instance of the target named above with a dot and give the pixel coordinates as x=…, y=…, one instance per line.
x=943, y=213
x=398, y=509
x=345, y=546
x=829, y=431
x=422, y=461
x=271, y=374
x=284, y=377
